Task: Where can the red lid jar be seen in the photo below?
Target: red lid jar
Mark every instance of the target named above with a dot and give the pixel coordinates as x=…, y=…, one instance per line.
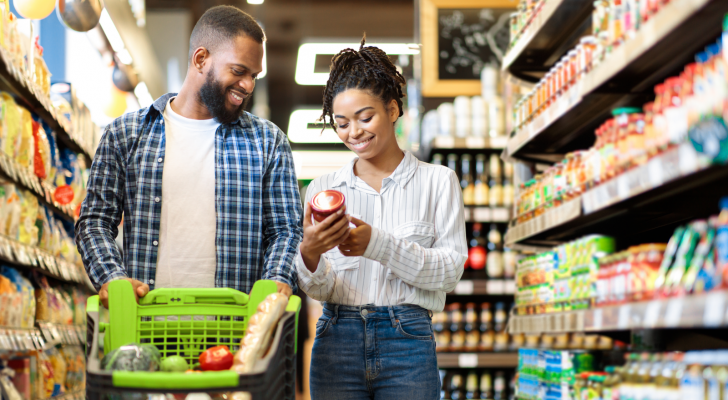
x=326, y=203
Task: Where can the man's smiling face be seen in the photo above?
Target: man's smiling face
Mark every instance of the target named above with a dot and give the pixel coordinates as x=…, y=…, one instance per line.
x=230, y=78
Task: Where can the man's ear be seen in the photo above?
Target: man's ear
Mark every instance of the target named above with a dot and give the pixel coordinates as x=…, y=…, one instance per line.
x=199, y=58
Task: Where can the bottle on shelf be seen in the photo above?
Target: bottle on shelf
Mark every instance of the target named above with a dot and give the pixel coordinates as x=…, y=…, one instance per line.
x=508, y=188
x=441, y=327
x=444, y=384
x=501, y=335
x=466, y=180
x=437, y=159
x=481, y=193
x=499, y=386
x=510, y=261
x=472, y=333
x=452, y=163
x=477, y=253
x=457, y=330
x=487, y=334
x=496, y=182
x=494, y=262
x=486, y=386
x=456, y=387
x=471, y=386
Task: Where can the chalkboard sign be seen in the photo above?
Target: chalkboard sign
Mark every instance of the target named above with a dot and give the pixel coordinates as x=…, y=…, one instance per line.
x=468, y=39
x=460, y=37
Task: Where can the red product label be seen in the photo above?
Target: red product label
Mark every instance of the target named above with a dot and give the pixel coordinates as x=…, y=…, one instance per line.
x=63, y=195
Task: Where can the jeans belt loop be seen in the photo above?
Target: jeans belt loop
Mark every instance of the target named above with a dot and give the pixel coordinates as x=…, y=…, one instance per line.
x=391, y=316
x=336, y=314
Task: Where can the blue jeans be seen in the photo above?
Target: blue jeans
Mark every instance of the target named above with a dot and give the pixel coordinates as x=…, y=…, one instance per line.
x=379, y=353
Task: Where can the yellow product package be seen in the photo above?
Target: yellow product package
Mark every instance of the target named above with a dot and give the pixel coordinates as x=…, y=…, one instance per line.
x=10, y=126
x=28, y=233
x=27, y=146
x=9, y=210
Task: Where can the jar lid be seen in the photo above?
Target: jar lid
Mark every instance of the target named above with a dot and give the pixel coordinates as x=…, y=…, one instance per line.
x=327, y=201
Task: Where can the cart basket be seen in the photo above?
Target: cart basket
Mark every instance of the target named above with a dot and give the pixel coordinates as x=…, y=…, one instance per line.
x=186, y=322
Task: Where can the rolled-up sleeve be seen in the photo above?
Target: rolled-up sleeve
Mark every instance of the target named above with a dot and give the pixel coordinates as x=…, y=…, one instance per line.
x=439, y=267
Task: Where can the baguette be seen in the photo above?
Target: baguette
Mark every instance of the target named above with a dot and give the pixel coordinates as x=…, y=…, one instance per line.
x=260, y=332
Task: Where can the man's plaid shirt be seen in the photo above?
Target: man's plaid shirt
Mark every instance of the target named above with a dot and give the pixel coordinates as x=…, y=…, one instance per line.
x=257, y=203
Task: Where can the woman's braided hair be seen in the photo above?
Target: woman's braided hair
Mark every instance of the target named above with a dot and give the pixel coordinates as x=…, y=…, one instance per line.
x=368, y=69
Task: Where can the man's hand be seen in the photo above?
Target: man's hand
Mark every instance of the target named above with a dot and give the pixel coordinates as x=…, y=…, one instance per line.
x=140, y=290
x=358, y=239
x=322, y=237
x=283, y=288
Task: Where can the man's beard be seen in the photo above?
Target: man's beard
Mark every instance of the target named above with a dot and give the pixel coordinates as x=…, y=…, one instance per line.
x=214, y=96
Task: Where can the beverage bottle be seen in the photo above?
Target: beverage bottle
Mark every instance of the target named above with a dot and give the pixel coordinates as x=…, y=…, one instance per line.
x=486, y=386
x=472, y=333
x=471, y=386
x=499, y=386
x=501, y=335
x=452, y=163
x=456, y=387
x=494, y=262
x=444, y=384
x=457, y=339
x=476, y=252
x=482, y=194
x=466, y=181
x=487, y=334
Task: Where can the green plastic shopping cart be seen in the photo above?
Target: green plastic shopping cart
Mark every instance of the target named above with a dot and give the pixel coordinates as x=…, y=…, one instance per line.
x=186, y=322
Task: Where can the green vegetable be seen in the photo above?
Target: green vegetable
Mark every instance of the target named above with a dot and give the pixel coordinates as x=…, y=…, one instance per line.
x=174, y=364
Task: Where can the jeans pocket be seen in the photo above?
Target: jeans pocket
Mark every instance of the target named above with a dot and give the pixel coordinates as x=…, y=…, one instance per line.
x=416, y=328
x=322, y=326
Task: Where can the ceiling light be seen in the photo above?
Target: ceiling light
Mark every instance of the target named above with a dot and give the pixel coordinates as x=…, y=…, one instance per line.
x=262, y=73
x=142, y=93
x=124, y=56
x=255, y=1
x=110, y=31
x=303, y=127
x=307, y=53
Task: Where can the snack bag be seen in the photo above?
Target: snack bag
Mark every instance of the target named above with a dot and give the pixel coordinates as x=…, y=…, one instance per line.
x=60, y=368
x=9, y=209
x=28, y=233
x=11, y=126
x=41, y=75
x=26, y=149
x=41, y=156
x=46, y=377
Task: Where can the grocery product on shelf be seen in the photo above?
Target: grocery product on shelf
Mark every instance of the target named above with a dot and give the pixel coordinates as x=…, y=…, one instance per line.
x=476, y=384
x=485, y=182
x=563, y=279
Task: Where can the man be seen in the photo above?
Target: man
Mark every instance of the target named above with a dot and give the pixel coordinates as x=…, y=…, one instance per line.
x=208, y=191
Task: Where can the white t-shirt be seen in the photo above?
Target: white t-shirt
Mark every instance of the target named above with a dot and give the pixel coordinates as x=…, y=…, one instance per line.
x=186, y=257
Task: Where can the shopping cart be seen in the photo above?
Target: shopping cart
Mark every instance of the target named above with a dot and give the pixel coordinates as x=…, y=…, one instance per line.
x=186, y=322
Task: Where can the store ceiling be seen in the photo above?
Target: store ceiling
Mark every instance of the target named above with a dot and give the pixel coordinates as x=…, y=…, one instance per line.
x=289, y=22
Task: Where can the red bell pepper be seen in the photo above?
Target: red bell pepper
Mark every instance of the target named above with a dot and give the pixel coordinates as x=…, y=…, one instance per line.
x=218, y=358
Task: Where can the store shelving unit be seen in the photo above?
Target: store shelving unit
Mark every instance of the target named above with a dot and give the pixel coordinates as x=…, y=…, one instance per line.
x=554, y=27
x=27, y=94
x=17, y=254
x=494, y=287
x=472, y=142
x=477, y=360
x=41, y=337
x=706, y=310
x=661, y=47
x=487, y=214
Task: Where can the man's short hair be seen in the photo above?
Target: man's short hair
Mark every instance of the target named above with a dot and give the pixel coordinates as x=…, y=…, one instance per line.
x=221, y=24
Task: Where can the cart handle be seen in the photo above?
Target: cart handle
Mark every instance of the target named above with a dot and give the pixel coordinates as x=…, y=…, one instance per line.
x=175, y=380
x=195, y=296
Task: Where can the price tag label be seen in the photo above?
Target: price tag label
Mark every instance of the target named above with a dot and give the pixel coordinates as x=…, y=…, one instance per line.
x=464, y=287
x=500, y=214
x=495, y=287
x=447, y=142
x=482, y=214
x=472, y=142
x=623, y=321
x=714, y=309
x=498, y=142
x=673, y=312
x=467, y=360
x=652, y=314
x=597, y=319
x=509, y=287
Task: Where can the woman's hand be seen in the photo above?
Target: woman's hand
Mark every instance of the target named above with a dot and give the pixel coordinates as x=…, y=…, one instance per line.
x=322, y=237
x=358, y=239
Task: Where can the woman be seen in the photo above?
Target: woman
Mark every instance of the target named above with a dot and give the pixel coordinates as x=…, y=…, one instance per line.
x=381, y=280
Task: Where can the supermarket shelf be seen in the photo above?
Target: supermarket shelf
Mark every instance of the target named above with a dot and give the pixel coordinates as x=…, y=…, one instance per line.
x=43, y=336
x=477, y=360
x=487, y=214
x=543, y=41
x=661, y=48
x=15, y=253
x=697, y=311
x=472, y=142
x=13, y=81
x=484, y=287
x=25, y=178
x=675, y=187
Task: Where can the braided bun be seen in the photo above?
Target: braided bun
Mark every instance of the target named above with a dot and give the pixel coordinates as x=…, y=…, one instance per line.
x=368, y=69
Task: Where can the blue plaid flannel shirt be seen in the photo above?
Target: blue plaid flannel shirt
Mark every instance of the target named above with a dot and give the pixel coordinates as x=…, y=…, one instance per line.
x=257, y=202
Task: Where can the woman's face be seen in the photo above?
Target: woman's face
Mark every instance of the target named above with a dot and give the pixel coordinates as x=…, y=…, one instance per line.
x=364, y=123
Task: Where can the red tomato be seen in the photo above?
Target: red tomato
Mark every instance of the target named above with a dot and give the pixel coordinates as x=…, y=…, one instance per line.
x=218, y=358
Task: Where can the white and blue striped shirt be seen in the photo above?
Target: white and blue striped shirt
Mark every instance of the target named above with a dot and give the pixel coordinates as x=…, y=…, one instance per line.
x=417, y=249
